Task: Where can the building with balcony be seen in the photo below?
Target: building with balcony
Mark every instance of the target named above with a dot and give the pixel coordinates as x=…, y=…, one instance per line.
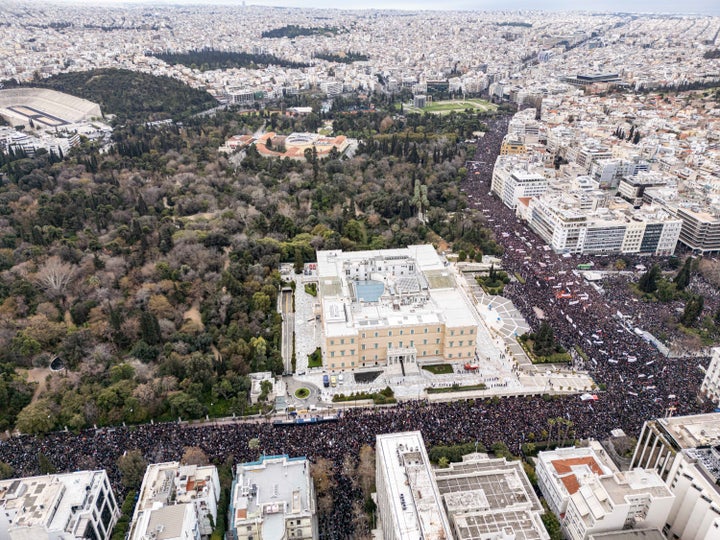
x=685, y=451
x=563, y=471
x=711, y=382
x=581, y=222
x=623, y=500
x=700, y=229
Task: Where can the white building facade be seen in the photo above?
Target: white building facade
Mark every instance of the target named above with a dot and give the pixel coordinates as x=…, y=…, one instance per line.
x=176, y=502
x=70, y=506
x=624, y=500
x=273, y=499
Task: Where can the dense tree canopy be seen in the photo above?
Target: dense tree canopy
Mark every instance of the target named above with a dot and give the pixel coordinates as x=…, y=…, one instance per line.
x=151, y=270
x=131, y=95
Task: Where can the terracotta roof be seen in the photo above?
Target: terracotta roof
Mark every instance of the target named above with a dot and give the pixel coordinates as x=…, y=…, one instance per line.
x=564, y=468
x=570, y=482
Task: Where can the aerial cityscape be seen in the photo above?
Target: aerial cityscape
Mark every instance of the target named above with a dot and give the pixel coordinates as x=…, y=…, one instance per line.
x=395, y=271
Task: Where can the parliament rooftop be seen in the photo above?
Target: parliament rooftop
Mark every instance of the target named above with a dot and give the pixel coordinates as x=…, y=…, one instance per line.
x=394, y=306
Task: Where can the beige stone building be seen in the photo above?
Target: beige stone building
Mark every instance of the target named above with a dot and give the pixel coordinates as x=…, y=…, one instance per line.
x=394, y=306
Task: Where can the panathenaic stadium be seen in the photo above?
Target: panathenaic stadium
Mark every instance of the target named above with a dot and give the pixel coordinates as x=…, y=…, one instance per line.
x=46, y=108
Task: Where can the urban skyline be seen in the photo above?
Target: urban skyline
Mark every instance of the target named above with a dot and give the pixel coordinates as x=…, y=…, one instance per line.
x=609, y=6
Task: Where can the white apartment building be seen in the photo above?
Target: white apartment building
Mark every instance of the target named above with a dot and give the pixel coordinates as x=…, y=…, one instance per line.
x=480, y=498
x=609, y=172
x=408, y=500
x=624, y=500
x=701, y=228
x=563, y=471
x=685, y=451
x=176, y=502
x=711, y=383
x=69, y=506
x=565, y=224
x=515, y=177
x=632, y=188
x=273, y=499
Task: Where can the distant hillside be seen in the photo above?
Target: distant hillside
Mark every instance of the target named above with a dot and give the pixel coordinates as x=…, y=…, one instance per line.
x=131, y=95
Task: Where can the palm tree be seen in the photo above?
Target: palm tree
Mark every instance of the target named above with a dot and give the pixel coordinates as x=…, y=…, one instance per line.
x=551, y=423
x=568, y=425
x=559, y=421
x=254, y=443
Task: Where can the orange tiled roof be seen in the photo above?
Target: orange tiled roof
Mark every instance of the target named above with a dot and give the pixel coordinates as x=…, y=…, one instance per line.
x=571, y=483
x=567, y=477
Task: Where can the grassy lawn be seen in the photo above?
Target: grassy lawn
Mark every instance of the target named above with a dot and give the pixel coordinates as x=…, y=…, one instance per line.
x=439, y=369
x=456, y=388
x=315, y=359
x=302, y=393
x=557, y=358
x=444, y=107
x=311, y=289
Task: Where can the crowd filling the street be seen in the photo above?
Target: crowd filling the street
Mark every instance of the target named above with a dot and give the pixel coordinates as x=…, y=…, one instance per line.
x=636, y=382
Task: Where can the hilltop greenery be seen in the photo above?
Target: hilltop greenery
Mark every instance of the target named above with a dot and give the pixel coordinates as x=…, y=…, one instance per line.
x=130, y=95
x=293, y=31
x=208, y=59
x=342, y=58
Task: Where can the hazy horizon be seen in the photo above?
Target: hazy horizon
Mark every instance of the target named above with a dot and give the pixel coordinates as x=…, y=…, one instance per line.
x=637, y=6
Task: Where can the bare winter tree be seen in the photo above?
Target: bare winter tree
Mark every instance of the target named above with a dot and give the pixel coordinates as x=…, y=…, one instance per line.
x=54, y=276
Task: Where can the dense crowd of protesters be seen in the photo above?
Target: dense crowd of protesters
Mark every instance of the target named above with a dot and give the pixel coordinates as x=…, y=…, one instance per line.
x=640, y=383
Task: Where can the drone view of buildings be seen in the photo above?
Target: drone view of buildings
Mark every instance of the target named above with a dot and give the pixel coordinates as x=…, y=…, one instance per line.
x=273, y=272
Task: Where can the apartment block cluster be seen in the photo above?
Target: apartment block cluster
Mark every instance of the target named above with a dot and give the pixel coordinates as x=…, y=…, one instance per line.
x=516, y=56
x=392, y=307
x=669, y=492
x=616, y=174
x=271, y=499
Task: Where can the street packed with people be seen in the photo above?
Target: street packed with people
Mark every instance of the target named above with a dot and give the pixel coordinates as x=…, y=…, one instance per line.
x=636, y=382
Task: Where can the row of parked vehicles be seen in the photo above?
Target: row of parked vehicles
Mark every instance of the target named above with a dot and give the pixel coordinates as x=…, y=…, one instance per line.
x=332, y=380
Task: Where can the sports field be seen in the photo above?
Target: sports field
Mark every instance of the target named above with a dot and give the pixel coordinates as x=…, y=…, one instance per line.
x=459, y=105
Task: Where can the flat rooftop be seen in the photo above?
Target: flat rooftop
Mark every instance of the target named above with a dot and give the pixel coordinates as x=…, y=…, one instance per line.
x=414, y=495
x=693, y=431
x=486, y=496
x=635, y=481
x=53, y=501
x=385, y=288
x=270, y=490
